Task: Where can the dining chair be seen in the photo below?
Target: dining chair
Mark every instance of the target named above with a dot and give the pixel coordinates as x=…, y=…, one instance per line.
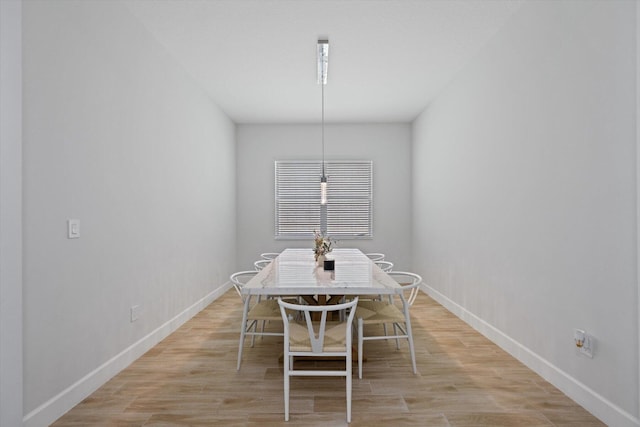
x=375, y=256
x=269, y=255
x=385, y=266
x=261, y=311
x=261, y=263
x=389, y=312
x=305, y=337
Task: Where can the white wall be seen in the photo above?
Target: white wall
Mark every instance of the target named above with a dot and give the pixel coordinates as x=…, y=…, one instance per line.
x=388, y=145
x=116, y=135
x=10, y=213
x=525, y=197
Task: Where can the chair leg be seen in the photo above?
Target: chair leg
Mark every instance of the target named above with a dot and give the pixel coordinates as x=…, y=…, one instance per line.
x=286, y=387
x=407, y=322
x=240, y=347
x=255, y=330
x=349, y=391
x=360, y=340
x=243, y=330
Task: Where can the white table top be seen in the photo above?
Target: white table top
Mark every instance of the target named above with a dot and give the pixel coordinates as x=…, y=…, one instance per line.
x=294, y=272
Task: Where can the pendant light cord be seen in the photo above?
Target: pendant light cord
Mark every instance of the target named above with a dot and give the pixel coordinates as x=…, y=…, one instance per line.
x=322, y=84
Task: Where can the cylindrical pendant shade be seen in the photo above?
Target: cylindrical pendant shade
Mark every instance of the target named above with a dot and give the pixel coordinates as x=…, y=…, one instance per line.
x=323, y=190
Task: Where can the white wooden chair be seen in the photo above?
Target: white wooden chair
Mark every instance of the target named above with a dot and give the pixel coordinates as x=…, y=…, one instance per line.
x=261, y=311
x=261, y=263
x=385, y=266
x=375, y=256
x=317, y=338
x=269, y=255
x=383, y=313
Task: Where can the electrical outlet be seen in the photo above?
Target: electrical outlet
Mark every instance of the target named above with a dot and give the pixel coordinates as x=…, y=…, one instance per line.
x=584, y=342
x=587, y=348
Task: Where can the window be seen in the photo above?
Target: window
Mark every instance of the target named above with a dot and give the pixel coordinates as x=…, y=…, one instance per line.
x=349, y=190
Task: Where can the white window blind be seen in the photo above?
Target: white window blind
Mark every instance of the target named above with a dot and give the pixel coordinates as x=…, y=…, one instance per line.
x=297, y=200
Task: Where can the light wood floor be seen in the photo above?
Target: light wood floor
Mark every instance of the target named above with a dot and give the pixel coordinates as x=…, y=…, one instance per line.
x=463, y=379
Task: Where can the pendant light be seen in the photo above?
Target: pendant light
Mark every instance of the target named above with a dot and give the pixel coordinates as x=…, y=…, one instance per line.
x=323, y=67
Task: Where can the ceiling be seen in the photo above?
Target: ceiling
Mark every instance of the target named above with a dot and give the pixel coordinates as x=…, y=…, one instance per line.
x=387, y=59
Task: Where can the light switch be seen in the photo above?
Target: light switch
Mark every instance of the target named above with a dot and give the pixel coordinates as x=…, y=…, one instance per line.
x=73, y=228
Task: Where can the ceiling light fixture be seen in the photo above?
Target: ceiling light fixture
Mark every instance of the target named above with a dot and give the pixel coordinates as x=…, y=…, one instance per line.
x=323, y=68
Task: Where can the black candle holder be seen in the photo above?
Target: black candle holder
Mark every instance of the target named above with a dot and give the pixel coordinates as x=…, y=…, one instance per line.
x=329, y=264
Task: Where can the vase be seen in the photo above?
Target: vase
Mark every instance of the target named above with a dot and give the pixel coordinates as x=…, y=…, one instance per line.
x=320, y=260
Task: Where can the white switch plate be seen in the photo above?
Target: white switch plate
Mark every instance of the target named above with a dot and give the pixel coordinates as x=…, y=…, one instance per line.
x=135, y=313
x=73, y=228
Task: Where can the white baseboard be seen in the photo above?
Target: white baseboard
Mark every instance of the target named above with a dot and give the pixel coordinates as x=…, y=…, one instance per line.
x=58, y=405
x=600, y=407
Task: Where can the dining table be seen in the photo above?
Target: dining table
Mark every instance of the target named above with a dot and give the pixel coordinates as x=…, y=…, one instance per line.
x=295, y=273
